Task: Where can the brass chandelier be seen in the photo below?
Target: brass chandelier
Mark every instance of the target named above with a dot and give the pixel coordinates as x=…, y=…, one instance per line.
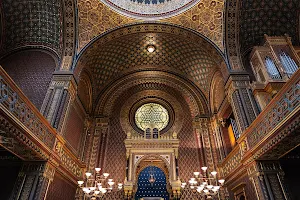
x=97, y=185
x=206, y=183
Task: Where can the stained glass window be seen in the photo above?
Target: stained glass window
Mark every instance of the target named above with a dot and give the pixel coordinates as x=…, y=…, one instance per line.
x=151, y=115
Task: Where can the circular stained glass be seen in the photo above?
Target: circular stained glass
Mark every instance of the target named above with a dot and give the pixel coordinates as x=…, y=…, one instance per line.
x=151, y=115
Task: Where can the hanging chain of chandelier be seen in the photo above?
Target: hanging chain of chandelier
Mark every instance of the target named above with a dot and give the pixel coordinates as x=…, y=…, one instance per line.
x=97, y=184
x=206, y=183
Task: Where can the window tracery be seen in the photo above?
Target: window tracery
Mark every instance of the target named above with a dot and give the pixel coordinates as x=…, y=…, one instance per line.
x=151, y=115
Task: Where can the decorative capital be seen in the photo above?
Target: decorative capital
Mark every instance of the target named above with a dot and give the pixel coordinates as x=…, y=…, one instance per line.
x=49, y=171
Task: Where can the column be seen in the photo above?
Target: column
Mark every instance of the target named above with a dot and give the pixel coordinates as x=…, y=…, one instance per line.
x=219, y=140
x=99, y=144
x=33, y=181
x=267, y=179
x=202, y=128
x=87, y=140
x=242, y=101
x=60, y=94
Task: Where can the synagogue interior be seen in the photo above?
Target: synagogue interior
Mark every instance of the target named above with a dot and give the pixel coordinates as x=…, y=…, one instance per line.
x=149, y=99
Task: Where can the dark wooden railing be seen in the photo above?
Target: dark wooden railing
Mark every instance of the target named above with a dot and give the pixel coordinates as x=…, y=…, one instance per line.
x=35, y=129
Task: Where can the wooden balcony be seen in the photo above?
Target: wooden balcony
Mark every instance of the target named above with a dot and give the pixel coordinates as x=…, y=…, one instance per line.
x=272, y=134
x=26, y=133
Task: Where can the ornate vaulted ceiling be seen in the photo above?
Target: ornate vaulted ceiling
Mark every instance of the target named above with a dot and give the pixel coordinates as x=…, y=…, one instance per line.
x=153, y=81
x=31, y=23
x=177, y=51
x=271, y=17
x=40, y=24
x=150, y=9
x=95, y=18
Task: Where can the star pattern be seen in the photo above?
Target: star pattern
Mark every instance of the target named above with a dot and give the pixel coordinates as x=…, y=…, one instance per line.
x=151, y=115
x=157, y=189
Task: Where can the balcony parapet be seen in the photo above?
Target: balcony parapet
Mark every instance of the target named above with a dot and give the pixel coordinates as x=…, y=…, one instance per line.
x=266, y=131
x=23, y=124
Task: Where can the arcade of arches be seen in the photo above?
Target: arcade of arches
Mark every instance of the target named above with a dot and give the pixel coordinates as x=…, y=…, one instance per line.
x=150, y=91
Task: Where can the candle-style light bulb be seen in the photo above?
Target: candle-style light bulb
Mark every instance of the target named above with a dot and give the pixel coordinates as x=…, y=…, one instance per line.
x=214, y=173
x=80, y=182
x=204, y=168
x=196, y=174
x=221, y=181
x=97, y=169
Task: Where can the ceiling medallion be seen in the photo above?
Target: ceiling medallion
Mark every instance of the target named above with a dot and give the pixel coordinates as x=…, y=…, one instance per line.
x=150, y=9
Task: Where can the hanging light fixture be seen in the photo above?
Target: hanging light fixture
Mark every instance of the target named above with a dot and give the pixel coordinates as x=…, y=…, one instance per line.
x=95, y=186
x=205, y=183
x=151, y=48
x=151, y=178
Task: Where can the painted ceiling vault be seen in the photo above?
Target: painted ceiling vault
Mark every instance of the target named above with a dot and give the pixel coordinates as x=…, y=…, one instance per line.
x=36, y=23
x=271, y=17
x=96, y=17
x=150, y=9
x=191, y=57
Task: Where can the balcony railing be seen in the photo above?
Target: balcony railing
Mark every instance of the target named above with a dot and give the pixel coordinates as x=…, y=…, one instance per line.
x=19, y=110
x=282, y=107
x=13, y=99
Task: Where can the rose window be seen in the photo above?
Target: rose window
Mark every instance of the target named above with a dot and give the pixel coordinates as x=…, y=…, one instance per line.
x=151, y=115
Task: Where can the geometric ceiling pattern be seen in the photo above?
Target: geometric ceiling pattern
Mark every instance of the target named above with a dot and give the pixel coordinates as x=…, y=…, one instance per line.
x=150, y=9
x=107, y=60
x=95, y=18
x=271, y=17
x=34, y=22
x=206, y=18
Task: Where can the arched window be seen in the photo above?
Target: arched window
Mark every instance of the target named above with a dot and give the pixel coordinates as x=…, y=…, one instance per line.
x=272, y=69
x=288, y=63
x=155, y=133
x=148, y=133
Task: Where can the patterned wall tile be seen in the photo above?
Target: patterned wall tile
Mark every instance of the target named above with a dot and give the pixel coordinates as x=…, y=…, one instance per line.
x=115, y=158
x=74, y=127
x=60, y=189
x=188, y=155
x=32, y=72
